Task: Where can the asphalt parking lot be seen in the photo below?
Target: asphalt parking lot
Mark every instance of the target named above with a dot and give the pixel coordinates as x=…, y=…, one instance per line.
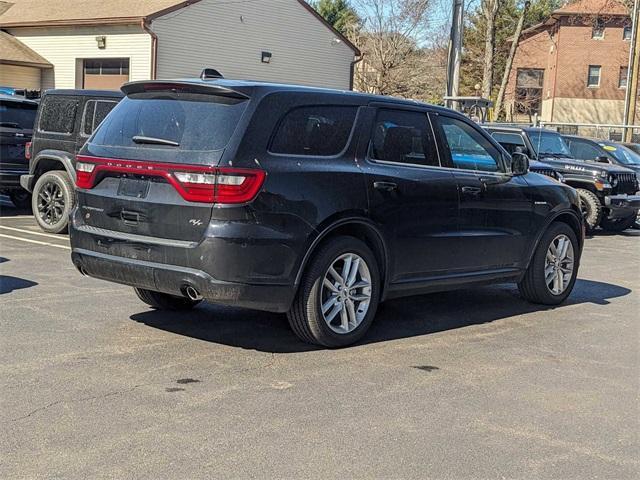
x=467, y=384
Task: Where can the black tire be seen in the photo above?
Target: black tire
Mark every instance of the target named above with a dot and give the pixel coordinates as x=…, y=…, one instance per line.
x=21, y=199
x=306, y=318
x=164, y=301
x=591, y=208
x=618, y=224
x=533, y=286
x=53, y=198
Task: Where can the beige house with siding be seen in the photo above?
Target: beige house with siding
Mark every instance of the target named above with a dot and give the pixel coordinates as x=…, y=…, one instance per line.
x=102, y=44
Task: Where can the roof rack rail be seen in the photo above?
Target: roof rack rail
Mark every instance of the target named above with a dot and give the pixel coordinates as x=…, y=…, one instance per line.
x=209, y=73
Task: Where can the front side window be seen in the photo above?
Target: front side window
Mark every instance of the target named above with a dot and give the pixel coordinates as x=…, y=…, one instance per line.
x=510, y=141
x=593, y=77
x=58, y=114
x=469, y=149
x=584, y=151
x=314, y=130
x=402, y=136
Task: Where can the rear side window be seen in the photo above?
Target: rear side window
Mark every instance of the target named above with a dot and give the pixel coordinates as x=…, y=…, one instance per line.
x=314, y=131
x=58, y=114
x=94, y=112
x=176, y=121
x=17, y=114
x=401, y=136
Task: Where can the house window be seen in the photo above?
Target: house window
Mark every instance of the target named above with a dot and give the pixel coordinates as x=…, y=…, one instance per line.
x=593, y=78
x=597, y=31
x=529, y=83
x=624, y=76
x=626, y=33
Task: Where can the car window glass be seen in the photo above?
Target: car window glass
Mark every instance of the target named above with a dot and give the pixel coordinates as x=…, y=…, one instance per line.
x=196, y=122
x=403, y=137
x=510, y=141
x=584, y=151
x=622, y=154
x=89, y=113
x=95, y=112
x=17, y=114
x=314, y=130
x=58, y=114
x=469, y=149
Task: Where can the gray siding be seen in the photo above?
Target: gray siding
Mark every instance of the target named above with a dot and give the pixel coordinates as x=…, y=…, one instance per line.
x=231, y=36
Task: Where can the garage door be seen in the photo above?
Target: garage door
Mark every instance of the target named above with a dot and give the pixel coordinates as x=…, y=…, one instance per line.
x=105, y=73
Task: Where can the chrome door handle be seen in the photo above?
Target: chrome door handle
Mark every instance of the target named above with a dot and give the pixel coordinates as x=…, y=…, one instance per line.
x=385, y=186
x=471, y=190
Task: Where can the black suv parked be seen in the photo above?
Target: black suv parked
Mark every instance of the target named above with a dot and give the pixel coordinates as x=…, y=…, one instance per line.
x=603, y=151
x=65, y=120
x=17, y=115
x=315, y=202
x=607, y=192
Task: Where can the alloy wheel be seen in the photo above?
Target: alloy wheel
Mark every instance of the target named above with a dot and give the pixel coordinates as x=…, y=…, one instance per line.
x=346, y=293
x=50, y=203
x=559, y=264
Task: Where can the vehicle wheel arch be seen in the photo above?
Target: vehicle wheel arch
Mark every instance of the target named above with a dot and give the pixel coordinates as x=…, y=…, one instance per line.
x=359, y=227
x=47, y=161
x=568, y=216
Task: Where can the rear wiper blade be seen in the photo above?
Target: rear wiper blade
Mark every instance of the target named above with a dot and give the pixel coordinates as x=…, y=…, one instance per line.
x=154, y=141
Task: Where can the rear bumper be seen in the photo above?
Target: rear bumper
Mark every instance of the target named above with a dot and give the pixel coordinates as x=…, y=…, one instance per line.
x=172, y=279
x=621, y=206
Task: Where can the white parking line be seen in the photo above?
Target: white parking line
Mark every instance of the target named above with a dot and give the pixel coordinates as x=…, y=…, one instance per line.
x=17, y=216
x=31, y=232
x=47, y=244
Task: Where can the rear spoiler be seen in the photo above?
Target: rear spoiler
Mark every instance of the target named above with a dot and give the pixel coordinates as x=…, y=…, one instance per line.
x=194, y=86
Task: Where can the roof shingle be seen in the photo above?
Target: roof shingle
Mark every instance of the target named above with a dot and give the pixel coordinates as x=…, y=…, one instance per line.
x=52, y=12
x=13, y=51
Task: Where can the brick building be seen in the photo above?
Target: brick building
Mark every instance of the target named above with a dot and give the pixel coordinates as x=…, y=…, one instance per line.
x=573, y=67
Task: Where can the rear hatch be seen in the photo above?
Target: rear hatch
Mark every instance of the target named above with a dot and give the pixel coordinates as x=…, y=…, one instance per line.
x=151, y=168
x=16, y=128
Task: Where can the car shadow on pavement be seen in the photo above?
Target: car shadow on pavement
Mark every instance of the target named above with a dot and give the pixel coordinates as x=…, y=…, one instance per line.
x=400, y=318
x=8, y=284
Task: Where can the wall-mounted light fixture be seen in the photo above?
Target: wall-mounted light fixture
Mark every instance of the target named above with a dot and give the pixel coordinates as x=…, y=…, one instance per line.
x=102, y=42
x=266, y=57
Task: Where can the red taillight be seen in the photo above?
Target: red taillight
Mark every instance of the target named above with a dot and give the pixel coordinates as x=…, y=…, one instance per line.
x=27, y=150
x=195, y=183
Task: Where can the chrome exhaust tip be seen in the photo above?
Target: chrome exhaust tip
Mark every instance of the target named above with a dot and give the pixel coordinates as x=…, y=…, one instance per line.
x=191, y=293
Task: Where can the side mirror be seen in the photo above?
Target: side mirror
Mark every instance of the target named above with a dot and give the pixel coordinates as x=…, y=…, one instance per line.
x=519, y=163
x=602, y=159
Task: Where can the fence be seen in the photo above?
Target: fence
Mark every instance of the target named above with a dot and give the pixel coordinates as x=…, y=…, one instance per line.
x=602, y=131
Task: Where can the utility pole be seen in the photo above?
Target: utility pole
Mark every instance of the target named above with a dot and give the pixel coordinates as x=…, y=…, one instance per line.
x=631, y=96
x=455, y=51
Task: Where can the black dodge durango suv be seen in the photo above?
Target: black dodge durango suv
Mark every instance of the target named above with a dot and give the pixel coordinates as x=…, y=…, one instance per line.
x=314, y=202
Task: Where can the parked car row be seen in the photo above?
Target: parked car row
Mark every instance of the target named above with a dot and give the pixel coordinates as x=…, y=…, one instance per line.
x=605, y=174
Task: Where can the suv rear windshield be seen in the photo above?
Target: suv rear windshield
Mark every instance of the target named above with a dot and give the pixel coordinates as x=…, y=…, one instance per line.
x=170, y=123
x=17, y=114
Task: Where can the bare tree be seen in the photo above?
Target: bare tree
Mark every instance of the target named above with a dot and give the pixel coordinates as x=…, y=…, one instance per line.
x=489, y=10
x=392, y=35
x=512, y=53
